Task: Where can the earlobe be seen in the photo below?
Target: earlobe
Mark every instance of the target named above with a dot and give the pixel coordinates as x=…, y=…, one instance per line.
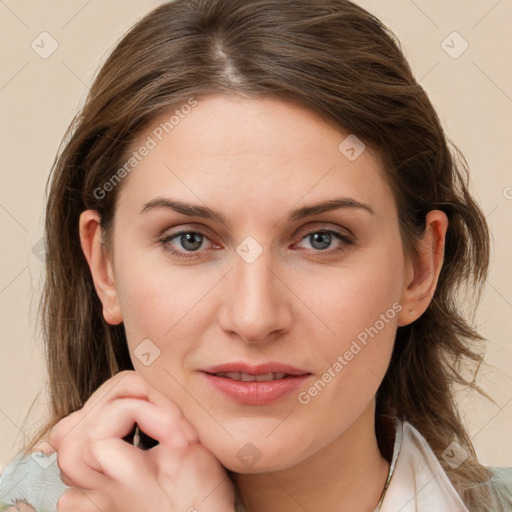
x=423, y=272
x=99, y=265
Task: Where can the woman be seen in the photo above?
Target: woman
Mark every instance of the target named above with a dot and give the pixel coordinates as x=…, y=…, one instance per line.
x=256, y=232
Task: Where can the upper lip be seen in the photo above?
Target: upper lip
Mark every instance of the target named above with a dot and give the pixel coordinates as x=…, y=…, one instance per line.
x=259, y=369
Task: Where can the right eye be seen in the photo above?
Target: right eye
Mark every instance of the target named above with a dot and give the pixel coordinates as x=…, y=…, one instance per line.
x=190, y=242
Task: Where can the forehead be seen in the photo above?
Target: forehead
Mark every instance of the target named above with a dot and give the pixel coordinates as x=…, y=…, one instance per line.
x=251, y=152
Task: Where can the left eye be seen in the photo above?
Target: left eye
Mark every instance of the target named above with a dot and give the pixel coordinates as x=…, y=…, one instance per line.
x=320, y=240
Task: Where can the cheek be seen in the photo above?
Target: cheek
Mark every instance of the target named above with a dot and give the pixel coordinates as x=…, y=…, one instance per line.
x=155, y=294
x=359, y=306
x=142, y=297
x=171, y=307
x=352, y=298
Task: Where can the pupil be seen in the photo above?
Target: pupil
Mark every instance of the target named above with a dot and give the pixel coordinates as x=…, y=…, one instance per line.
x=188, y=238
x=322, y=238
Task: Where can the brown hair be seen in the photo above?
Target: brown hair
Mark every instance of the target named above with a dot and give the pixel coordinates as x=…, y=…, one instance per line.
x=336, y=59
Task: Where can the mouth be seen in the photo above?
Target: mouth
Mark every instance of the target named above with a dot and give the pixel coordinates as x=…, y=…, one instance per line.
x=236, y=369
x=263, y=384
x=247, y=377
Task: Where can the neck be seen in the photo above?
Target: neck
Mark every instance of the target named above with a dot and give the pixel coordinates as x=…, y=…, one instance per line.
x=346, y=475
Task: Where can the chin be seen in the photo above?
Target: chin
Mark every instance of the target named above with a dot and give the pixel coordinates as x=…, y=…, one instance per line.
x=258, y=456
x=263, y=465
x=258, y=444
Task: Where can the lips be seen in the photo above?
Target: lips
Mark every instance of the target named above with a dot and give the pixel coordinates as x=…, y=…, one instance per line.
x=247, y=377
x=261, y=384
x=260, y=369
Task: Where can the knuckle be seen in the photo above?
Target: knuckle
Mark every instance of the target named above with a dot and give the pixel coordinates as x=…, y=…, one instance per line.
x=66, y=461
x=63, y=429
x=132, y=381
x=124, y=373
x=66, y=501
x=132, y=469
x=197, y=456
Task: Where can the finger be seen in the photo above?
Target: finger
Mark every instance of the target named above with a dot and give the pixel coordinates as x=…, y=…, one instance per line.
x=44, y=447
x=74, y=472
x=155, y=424
x=192, y=472
x=123, y=463
x=117, y=420
x=188, y=430
x=63, y=428
x=130, y=384
x=76, y=452
x=80, y=500
x=126, y=384
x=161, y=400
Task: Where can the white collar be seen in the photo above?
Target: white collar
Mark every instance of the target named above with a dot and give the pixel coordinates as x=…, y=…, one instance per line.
x=416, y=480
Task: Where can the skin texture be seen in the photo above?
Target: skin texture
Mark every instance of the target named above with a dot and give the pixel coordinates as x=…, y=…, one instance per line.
x=254, y=161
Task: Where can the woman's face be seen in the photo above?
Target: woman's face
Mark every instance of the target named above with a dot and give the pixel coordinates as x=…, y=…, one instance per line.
x=275, y=280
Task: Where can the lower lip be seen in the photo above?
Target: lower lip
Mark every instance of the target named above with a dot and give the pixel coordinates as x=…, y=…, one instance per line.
x=256, y=392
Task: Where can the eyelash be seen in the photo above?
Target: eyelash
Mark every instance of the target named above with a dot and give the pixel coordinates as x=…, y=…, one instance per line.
x=193, y=254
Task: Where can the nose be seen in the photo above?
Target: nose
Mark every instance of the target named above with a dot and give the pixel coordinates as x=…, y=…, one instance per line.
x=256, y=306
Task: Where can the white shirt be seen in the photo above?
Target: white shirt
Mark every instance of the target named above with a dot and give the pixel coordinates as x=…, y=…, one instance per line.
x=417, y=482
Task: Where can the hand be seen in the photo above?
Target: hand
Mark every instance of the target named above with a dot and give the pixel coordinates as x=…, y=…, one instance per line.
x=20, y=506
x=111, y=475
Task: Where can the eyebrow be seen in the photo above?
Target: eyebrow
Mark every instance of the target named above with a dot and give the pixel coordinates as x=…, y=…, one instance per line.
x=298, y=214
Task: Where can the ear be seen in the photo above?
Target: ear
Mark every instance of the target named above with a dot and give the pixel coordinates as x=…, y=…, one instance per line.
x=423, y=272
x=100, y=265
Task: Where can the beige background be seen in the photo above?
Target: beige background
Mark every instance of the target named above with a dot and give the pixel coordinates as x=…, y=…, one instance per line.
x=38, y=98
